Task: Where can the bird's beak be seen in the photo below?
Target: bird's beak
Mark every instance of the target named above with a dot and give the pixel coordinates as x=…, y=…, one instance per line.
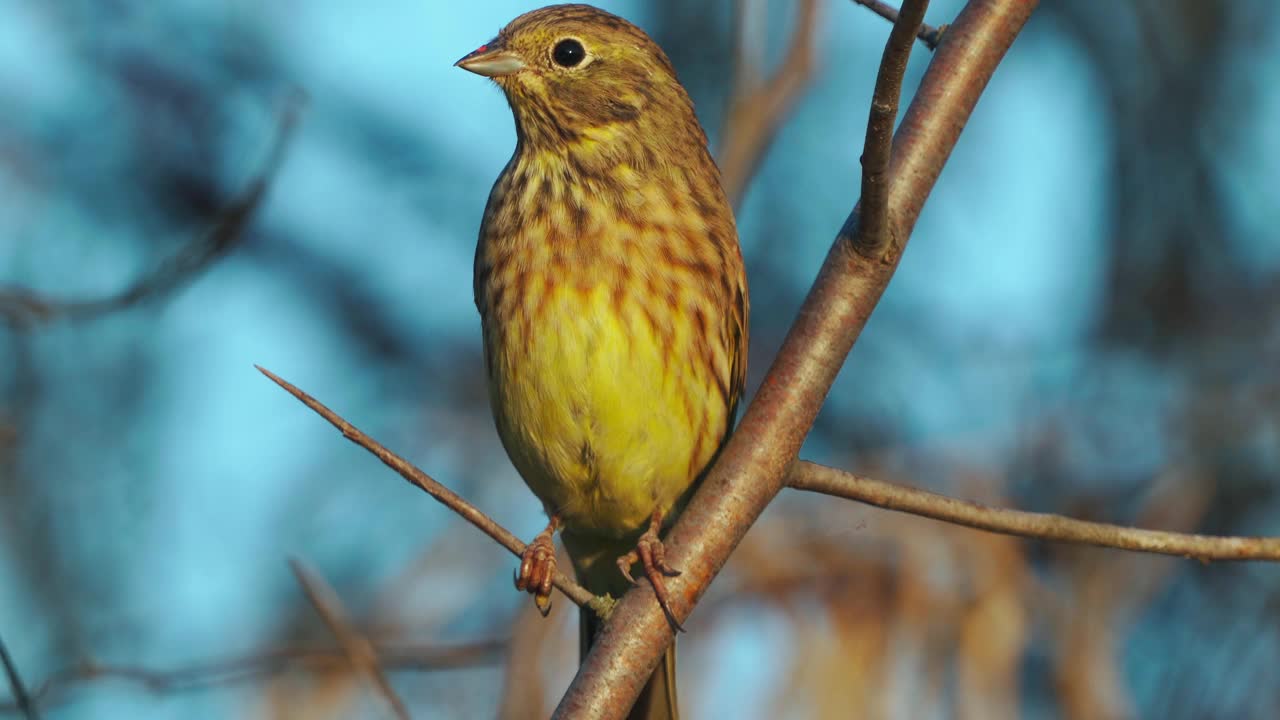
x=491, y=60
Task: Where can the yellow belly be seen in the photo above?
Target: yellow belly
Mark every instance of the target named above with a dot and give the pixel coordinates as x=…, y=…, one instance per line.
x=606, y=417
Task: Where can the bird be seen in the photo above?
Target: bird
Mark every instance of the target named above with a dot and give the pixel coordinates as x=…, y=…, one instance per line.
x=613, y=301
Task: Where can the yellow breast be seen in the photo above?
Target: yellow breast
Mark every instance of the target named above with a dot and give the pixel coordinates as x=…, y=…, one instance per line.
x=613, y=299
x=605, y=410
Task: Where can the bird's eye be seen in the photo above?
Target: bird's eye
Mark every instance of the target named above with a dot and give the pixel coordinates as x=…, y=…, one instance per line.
x=568, y=53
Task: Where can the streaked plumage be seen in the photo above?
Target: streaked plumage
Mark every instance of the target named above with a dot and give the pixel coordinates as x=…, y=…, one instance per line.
x=609, y=282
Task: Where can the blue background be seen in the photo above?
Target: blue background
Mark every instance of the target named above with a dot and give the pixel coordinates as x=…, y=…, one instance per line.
x=1084, y=322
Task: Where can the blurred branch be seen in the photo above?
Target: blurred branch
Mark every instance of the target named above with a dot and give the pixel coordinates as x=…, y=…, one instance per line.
x=444, y=495
x=753, y=465
x=830, y=481
x=394, y=657
x=22, y=701
x=757, y=109
x=361, y=653
x=928, y=34
x=23, y=307
x=1085, y=611
x=524, y=683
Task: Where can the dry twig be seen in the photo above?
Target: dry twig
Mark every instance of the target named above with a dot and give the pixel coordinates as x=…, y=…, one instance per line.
x=868, y=226
x=1041, y=526
x=444, y=495
x=928, y=34
x=360, y=652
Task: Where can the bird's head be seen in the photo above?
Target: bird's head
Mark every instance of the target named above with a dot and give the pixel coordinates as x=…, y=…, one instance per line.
x=570, y=71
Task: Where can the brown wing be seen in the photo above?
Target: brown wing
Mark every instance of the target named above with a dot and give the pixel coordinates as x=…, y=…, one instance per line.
x=736, y=330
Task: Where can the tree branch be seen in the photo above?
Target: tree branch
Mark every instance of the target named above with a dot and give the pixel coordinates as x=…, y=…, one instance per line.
x=269, y=662
x=874, y=235
x=752, y=467
x=1041, y=526
x=22, y=307
x=928, y=34
x=756, y=110
x=360, y=652
x=444, y=495
x=21, y=699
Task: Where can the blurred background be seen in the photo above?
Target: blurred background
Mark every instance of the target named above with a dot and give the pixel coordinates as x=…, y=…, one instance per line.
x=1086, y=322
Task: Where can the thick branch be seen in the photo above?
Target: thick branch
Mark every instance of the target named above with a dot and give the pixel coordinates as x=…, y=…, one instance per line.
x=1041, y=526
x=447, y=497
x=751, y=469
x=360, y=652
x=928, y=34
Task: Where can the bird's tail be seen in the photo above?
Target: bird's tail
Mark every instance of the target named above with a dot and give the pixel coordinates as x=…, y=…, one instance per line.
x=595, y=562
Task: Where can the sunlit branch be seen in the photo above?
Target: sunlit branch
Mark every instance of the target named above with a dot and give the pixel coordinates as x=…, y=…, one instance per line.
x=1040, y=526
x=752, y=467
x=873, y=234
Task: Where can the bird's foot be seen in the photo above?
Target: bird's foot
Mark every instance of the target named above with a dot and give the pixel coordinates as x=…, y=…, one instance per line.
x=538, y=567
x=652, y=556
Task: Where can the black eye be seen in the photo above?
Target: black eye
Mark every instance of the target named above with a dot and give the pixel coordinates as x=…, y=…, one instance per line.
x=568, y=53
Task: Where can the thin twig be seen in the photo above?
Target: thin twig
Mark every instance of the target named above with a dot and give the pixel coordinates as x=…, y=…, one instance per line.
x=928, y=34
x=873, y=235
x=757, y=109
x=22, y=307
x=753, y=465
x=415, y=658
x=361, y=653
x=21, y=699
x=444, y=495
x=1040, y=526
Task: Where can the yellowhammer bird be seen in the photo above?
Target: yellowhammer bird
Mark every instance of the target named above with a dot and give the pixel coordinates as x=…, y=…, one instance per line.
x=612, y=297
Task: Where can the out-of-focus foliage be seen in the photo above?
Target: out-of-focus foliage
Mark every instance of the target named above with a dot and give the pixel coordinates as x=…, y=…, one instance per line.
x=1086, y=322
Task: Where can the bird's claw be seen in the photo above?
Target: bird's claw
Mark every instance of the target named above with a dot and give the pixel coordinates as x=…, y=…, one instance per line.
x=538, y=569
x=652, y=556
